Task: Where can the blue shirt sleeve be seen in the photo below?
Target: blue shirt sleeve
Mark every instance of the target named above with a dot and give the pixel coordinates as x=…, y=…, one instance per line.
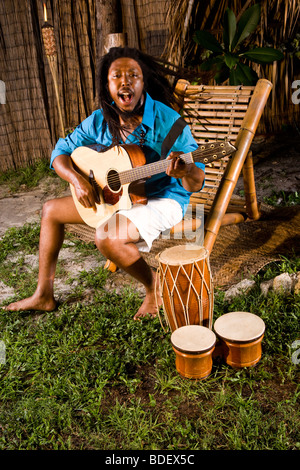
x=86, y=133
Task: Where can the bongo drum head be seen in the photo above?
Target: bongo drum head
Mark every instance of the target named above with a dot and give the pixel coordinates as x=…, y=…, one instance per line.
x=193, y=339
x=239, y=326
x=182, y=254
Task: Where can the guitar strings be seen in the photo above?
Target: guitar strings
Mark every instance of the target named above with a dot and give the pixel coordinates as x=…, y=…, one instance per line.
x=118, y=177
x=122, y=177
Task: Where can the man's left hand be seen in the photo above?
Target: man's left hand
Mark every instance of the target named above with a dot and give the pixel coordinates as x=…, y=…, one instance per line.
x=177, y=167
x=191, y=176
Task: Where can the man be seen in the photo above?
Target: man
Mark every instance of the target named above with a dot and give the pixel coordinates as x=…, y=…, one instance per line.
x=135, y=99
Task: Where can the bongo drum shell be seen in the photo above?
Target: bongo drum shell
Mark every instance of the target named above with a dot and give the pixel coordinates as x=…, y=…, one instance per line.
x=241, y=334
x=193, y=346
x=240, y=355
x=187, y=286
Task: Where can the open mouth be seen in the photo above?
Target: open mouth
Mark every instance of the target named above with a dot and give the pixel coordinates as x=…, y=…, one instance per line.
x=125, y=96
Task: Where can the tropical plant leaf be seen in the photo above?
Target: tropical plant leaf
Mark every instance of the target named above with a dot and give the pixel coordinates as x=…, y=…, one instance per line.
x=208, y=41
x=263, y=55
x=242, y=75
x=223, y=61
x=247, y=24
x=211, y=63
x=229, y=28
x=222, y=75
x=233, y=77
x=231, y=60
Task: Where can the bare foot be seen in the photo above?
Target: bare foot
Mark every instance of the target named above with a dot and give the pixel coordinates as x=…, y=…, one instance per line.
x=32, y=303
x=151, y=304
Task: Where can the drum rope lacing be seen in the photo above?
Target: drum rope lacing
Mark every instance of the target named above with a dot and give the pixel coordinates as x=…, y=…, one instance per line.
x=191, y=287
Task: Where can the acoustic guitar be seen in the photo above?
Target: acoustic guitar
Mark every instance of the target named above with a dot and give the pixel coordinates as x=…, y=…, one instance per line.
x=111, y=173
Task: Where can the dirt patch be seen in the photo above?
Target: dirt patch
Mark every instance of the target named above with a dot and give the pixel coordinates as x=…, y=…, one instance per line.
x=276, y=165
x=25, y=206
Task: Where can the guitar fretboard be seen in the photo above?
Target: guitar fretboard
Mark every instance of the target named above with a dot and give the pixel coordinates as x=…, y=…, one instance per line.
x=150, y=169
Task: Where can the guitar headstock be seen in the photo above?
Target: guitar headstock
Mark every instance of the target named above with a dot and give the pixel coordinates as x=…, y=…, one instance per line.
x=211, y=151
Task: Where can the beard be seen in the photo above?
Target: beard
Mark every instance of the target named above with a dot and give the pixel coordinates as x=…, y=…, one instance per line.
x=136, y=112
x=113, y=114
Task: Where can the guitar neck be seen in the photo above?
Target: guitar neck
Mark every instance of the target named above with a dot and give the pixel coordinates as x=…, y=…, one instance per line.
x=150, y=169
x=205, y=153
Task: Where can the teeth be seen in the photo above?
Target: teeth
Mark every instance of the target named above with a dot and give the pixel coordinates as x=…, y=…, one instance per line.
x=125, y=96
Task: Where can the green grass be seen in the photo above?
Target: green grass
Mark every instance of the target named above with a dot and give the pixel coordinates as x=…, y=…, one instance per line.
x=87, y=376
x=283, y=198
x=29, y=177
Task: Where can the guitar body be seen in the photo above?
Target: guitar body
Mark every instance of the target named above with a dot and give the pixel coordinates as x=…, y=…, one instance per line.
x=116, y=175
x=106, y=167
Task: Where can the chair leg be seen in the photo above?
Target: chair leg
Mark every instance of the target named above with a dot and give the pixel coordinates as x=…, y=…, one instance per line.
x=252, y=207
x=112, y=267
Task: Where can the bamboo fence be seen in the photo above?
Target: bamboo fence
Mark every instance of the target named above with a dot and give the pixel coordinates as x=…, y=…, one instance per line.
x=30, y=119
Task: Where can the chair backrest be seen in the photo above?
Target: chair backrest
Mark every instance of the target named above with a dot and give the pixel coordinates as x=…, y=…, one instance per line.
x=214, y=113
x=225, y=112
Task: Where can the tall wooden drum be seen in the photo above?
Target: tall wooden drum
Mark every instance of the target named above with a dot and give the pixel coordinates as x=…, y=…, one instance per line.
x=241, y=334
x=186, y=286
x=193, y=346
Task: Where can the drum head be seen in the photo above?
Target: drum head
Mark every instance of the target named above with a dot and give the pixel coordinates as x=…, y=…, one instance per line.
x=239, y=326
x=182, y=254
x=193, y=339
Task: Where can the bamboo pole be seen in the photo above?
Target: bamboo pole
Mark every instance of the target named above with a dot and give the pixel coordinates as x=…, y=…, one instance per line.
x=115, y=40
x=234, y=167
x=52, y=61
x=252, y=208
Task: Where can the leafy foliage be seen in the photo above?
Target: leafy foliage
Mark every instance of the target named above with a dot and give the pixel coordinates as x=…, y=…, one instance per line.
x=230, y=59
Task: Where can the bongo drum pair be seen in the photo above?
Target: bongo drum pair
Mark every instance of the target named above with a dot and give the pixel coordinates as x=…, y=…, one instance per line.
x=240, y=335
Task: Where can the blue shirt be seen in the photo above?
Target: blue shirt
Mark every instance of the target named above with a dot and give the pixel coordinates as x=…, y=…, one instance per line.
x=156, y=123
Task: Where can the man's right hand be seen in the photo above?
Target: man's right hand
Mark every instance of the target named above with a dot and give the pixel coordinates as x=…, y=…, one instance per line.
x=84, y=192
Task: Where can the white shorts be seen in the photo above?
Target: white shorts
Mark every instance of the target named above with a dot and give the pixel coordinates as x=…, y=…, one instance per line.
x=158, y=215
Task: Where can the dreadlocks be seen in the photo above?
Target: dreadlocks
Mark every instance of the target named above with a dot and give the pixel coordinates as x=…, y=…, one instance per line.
x=156, y=83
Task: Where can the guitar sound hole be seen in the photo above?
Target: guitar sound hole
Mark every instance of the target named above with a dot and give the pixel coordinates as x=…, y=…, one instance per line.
x=113, y=180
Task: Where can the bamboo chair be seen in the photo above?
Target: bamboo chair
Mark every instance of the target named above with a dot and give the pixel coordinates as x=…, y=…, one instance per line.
x=233, y=113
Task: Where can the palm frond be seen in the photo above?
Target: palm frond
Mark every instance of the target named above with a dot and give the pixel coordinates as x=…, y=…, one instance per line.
x=278, y=26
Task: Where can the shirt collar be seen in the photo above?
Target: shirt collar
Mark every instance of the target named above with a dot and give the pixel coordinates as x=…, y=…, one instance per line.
x=148, y=117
